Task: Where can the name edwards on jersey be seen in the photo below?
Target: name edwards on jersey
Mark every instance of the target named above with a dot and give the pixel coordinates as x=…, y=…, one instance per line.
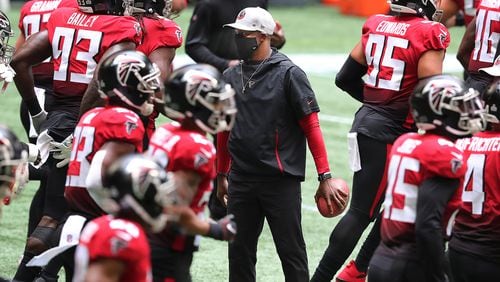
x=44, y=6
x=83, y=20
x=392, y=27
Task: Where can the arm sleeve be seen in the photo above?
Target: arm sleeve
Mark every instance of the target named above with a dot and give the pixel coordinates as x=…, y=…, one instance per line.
x=312, y=131
x=433, y=196
x=223, y=157
x=199, y=36
x=349, y=78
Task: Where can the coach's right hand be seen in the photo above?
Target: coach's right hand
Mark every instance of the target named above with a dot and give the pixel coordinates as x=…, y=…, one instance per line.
x=222, y=188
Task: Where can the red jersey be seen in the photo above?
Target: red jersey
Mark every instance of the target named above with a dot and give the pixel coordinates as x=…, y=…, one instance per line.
x=116, y=239
x=486, y=36
x=176, y=149
x=477, y=225
x=413, y=159
x=78, y=42
x=159, y=32
x=393, y=46
x=95, y=128
x=468, y=8
x=33, y=17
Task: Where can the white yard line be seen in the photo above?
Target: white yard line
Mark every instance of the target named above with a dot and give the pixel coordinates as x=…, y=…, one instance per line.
x=335, y=119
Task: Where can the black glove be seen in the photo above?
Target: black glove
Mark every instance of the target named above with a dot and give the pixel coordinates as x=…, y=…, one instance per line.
x=224, y=229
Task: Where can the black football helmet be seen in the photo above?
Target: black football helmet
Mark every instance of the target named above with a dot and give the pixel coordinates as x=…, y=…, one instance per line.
x=441, y=102
x=6, y=50
x=12, y=156
x=161, y=7
x=130, y=77
x=137, y=187
x=422, y=8
x=197, y=91
x=492, y=99
x=102, y=7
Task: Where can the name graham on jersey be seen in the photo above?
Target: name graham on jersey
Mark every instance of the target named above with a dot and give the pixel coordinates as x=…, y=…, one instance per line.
x=80, y=19
x=392, y=27
x=478, y=144
x=44, y=6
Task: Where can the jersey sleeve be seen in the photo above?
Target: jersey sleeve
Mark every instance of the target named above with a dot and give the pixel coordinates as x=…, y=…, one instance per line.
x=22, y=14
x=444, y=159
x=437, y=37
x=195, y=156
x=124, y=126
x=130, y=30
x=300, y=94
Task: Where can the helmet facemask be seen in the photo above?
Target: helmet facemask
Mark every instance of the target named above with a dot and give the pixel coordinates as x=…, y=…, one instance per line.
x=465, y=114
x=219, y=113
x=6, y=50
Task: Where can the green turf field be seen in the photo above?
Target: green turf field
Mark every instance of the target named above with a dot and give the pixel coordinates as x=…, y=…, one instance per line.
x=311, y=29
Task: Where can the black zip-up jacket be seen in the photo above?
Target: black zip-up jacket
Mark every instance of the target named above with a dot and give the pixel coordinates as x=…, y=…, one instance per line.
x=266, y=141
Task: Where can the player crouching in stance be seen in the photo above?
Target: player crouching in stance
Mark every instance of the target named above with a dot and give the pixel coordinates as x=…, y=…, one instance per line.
x=114, y=247
x=423, y=176
x=200, y=102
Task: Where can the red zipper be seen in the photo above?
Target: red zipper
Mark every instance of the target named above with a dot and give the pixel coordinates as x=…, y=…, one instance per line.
x=280, y=166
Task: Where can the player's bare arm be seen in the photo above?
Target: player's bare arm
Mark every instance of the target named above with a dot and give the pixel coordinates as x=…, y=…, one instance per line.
x=467, y=44
x=36, y=49
x=430, y=63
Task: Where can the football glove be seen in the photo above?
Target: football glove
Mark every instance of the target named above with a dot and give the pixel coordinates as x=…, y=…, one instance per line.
x=62, y=151
x=7, y=73
x=224, y=229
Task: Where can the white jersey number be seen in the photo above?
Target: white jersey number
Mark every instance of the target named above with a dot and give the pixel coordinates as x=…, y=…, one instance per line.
x=485, y=43
x=62, y=46
x=474, y=176
x=398, y=167
x=378, y=51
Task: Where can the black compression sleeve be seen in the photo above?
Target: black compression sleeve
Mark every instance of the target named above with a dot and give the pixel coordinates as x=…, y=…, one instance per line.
x=433, y=195
x=349, y=78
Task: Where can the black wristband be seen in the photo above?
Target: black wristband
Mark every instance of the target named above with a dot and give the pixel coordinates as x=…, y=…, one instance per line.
x=324, y=176
x=215, y=231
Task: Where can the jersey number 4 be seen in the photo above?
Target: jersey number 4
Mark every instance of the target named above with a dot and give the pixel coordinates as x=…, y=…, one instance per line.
x=379, y=51
x=473, y=189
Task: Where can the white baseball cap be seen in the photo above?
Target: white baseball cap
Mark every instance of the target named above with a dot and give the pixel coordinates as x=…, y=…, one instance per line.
x=494, y=70
x=254, y=19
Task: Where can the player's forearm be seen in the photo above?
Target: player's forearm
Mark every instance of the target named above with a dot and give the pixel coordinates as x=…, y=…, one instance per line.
x=25, y=86
x=201, y=54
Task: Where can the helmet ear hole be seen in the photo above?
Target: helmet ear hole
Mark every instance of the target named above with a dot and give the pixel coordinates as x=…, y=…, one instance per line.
x=443, y=102
x=198, y=91
x=129, y=77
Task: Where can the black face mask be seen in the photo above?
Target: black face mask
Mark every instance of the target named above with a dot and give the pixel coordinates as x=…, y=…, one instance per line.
x=245, y=46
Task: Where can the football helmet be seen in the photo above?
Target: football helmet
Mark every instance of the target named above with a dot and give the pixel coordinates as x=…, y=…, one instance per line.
x=421, y=8
x=161, y=7
x=12, y=156
x=197, y=91
x=441, y=102
x=135, y=186
x=130, y=77
x=102, y=7
x=6, y=50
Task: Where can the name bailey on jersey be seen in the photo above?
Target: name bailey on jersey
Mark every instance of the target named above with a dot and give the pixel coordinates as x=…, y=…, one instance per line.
x=80, y=19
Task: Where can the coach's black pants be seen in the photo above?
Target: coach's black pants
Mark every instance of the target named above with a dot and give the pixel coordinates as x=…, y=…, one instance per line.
x=279, y=202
